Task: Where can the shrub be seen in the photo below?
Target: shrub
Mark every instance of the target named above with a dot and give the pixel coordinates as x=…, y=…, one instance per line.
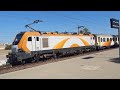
x=8, y=47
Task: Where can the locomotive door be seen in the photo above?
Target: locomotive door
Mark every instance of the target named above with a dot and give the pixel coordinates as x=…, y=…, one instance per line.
x=37, y=44
x=29, y=43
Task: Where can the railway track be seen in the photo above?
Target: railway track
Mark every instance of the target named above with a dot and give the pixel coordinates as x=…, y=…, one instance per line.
x=9, y=68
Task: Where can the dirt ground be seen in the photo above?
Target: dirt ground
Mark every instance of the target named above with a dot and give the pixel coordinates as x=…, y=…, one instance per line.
x=3, y=52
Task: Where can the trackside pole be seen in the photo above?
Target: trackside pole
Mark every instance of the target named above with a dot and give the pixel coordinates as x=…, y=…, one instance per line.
x=115, y=24
x=119, y=40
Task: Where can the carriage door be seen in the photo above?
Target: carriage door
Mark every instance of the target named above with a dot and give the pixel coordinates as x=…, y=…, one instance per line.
x=91, y=40
x=37, y=48
x=98, y=40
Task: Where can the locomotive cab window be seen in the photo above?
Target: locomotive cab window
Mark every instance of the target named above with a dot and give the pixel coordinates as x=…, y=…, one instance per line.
x=45, y=42
x=30, y=39
x=17, y=38
x=107, y=39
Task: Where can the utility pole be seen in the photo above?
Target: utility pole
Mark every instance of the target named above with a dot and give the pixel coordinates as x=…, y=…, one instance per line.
x=79, y=28
x=119, y=40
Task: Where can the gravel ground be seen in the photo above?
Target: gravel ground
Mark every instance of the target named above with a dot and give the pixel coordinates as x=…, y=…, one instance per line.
x=4, y=52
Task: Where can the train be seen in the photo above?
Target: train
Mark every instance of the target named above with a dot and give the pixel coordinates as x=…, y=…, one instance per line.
x=36, y=46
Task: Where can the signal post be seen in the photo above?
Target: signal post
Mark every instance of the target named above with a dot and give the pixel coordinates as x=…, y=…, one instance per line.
x=115, y=24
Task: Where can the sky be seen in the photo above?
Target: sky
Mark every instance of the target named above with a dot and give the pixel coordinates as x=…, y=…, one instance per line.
x=13, y=22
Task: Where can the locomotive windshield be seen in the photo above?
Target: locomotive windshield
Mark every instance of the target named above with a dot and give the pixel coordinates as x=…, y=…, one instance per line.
x=17, y=38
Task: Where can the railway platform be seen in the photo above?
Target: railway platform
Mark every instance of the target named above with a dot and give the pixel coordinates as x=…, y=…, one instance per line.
x=101, y=65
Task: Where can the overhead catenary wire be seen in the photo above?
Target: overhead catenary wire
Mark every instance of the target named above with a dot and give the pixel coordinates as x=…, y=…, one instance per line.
x=73, y=18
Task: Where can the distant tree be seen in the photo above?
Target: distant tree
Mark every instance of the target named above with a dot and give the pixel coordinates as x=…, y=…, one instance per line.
x=56, y=31
x=8, y=47
x=65, y=32
x=74, y=33
x=85, y=31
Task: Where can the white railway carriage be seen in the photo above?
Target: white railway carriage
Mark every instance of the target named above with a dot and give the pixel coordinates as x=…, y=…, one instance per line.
x=104, y=40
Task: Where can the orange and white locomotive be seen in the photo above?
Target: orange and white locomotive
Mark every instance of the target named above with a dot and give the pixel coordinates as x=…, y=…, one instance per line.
x=32, y=43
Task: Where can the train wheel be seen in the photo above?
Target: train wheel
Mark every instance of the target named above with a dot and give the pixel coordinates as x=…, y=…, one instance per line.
x=44, y=58
x=36, y=59
x=33, y=60
x=55, y=56
x=13, y=64
x=23, y=62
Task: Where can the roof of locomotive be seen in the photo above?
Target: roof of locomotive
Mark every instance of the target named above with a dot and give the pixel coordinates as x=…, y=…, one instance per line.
x=55, y=34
